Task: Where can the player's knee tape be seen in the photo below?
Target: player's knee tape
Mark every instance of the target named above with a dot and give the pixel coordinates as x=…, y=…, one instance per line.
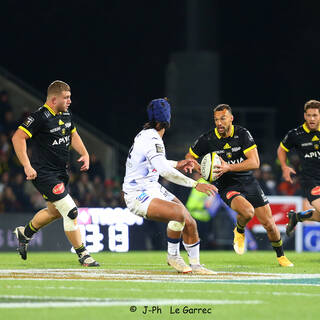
x=69, y=212
x=176, y=225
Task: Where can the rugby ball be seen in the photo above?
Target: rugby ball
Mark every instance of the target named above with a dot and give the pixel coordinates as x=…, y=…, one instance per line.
x=208, y=163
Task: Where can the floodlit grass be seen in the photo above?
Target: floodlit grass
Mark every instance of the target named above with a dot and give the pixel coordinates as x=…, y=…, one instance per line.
x=237, y=300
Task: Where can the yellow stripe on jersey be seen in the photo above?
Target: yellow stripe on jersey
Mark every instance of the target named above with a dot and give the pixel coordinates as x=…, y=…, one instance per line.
x=193, y=154
x=283, y=147
x=217, y=133
x=51, y=111
x=26, y=131
x=73, y=130
x=250, y=148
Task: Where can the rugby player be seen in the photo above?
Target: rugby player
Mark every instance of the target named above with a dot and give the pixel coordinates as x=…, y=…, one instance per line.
x=305, y=140
x=146, y=197
x=52, y=132
x=237, y=186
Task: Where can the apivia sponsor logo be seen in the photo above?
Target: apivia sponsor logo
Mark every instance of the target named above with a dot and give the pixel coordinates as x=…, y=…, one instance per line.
x=59, y=141
x=313, y=154
x=236, y=161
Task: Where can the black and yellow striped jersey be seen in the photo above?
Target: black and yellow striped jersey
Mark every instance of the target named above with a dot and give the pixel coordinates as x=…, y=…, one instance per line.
x=232, y=149
x=307, y=145
x=50, y=135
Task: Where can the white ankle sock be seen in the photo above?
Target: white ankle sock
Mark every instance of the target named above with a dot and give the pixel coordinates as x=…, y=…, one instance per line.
x=174, y=248
x=193, y=251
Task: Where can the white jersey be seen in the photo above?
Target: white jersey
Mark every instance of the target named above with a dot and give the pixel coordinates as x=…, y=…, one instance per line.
x=147, y=160
x=140, y=173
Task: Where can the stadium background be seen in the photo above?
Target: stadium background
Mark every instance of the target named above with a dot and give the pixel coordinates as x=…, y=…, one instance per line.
x=261, y=58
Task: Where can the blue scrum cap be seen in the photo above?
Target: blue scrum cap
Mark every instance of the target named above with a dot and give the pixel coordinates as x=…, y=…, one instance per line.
x=159, y=110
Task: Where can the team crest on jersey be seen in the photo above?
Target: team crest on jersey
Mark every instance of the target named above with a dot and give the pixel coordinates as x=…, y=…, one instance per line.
x=316, y=146
x=63, y=131
x=315, y=191
x=159, y=148
x=58, y=189
x=229, y=154
x=230, y=194
x=28, y=121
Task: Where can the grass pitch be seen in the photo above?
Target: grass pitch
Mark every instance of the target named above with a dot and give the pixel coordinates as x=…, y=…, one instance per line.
x=139, y=285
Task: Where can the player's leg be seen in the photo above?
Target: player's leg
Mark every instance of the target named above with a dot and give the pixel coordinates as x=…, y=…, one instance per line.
x=245, y=212
x=172, y=213
x=191, y=242
x=69, y=212
x=311, y=212
x=264, y=216
x=40, y=219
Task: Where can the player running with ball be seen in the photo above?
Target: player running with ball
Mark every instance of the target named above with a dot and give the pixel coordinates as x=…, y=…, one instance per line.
x=237, y=186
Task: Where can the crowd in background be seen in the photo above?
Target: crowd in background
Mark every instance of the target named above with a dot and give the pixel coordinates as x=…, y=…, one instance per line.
x=91, y=188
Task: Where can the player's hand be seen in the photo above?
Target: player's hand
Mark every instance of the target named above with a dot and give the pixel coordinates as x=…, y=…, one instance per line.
x=86, y=161
x=286, y=173
x=222, y=168
x=187, y=165
x=207, y=188
x=31, y=174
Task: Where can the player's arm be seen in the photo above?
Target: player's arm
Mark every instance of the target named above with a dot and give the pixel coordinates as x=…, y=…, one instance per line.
x=78, y=145
x=286, y=170
x=251, y=163
x=165, y=169
x=19, y=141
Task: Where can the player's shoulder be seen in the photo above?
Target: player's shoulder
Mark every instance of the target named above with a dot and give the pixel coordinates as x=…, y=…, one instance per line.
x=148, y=134
x=41, y=113
x=240, y=132
x=240, y=129
x=146, y=137
x=296, y=131
x=208, y=135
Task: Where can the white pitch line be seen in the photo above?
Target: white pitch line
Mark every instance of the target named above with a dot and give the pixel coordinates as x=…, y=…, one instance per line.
x=116, y=289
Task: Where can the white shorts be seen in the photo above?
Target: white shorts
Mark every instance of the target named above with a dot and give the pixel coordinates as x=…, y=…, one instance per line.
x=138, y=201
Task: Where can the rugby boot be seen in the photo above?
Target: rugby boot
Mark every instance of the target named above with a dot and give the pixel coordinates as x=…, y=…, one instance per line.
x=200, y=269
x=23, y=242
x=178, y=263
x=284, y=262
x=294, y=218
x=87, y=261
x=238, y=242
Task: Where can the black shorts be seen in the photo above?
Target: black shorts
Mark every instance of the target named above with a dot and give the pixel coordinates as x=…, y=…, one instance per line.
x=53, y=187
x=311, y=189
x=249, y=189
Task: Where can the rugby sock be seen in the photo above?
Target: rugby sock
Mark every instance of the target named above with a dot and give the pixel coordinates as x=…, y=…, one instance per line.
x=277, y=247
x=240, y=228
x=80, y=250
x=305, y=214
x=173, y=246
x=193, y=251
x=30, y=230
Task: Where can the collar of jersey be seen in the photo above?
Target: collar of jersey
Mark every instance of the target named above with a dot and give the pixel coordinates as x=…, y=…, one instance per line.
x=306, y=129
x=218, y=135
x=51, y=111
